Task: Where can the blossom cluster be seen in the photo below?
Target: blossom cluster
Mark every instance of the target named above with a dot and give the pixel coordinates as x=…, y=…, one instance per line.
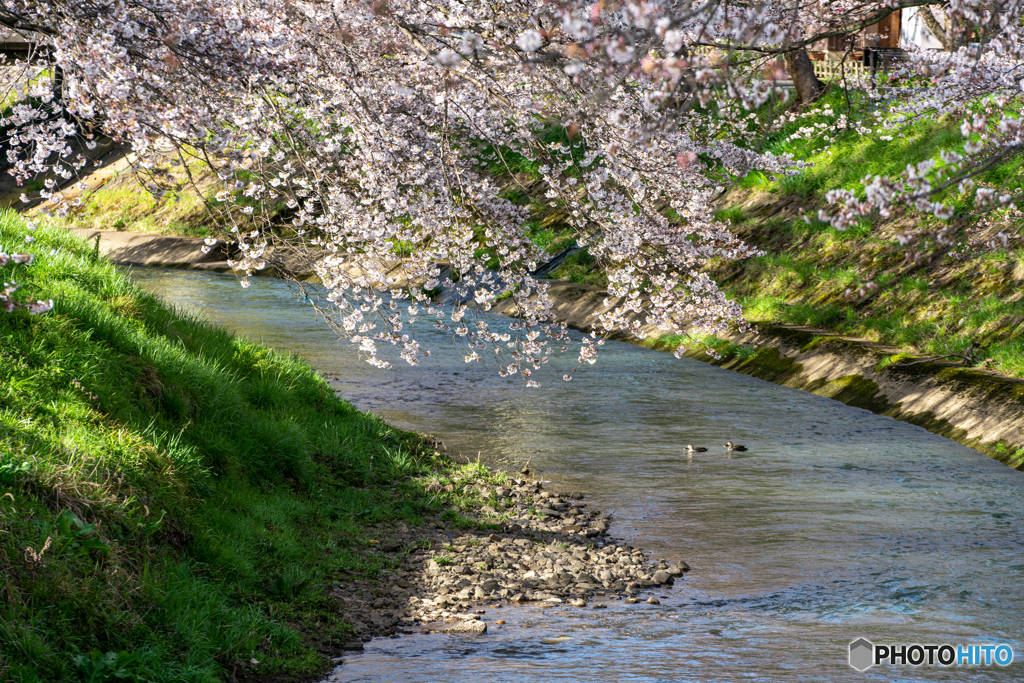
x=8, y=303
x=354, y=137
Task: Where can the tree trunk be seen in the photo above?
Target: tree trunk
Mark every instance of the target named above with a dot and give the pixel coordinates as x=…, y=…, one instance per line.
x=937, y=30
x=808, y=87
x=58, y=84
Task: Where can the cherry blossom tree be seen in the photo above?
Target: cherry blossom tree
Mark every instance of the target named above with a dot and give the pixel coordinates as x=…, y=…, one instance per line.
x=358, y=138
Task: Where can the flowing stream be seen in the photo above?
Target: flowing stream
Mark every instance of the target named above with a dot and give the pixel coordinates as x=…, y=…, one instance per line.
x=838, y=523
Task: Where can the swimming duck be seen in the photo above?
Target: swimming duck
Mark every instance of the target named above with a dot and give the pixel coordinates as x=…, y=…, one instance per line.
x=730, y=447
x=690, y=448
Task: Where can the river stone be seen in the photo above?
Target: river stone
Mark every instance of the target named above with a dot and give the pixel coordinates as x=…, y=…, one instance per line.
x=630, y=601
x=586, y=578
x=479, y=593
x=467, y=626
x=518, y=597
x=653, y=601
x=548, y=512
x=662, y=577
x=490, y=585
x=433, y=568
x=578, y=602
x=605, y=576
x=460, y=569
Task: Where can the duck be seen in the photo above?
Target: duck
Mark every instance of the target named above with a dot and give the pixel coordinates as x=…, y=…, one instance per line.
x=729, y=446
x=690, y=448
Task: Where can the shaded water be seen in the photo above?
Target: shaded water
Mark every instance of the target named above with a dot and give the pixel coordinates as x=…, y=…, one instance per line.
x=838, y=524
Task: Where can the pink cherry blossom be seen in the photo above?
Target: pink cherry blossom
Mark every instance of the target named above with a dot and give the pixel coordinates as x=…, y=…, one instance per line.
x=354, y=139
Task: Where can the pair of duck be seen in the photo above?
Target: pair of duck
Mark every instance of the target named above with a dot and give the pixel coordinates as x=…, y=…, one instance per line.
x=729, y=446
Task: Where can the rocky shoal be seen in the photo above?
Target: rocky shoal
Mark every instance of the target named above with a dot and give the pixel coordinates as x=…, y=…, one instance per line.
x=549, y=549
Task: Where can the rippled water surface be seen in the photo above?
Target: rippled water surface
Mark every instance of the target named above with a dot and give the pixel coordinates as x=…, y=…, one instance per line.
x=837, y=524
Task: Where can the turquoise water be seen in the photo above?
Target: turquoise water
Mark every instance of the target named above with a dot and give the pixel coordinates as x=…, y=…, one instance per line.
x=837, y=524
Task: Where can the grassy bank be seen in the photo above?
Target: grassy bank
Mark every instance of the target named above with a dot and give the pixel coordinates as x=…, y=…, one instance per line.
x=931, y=307
x=951, y=299
x=174, y=500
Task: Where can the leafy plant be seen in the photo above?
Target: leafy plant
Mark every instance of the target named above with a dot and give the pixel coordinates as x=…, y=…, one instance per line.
x=108, y=667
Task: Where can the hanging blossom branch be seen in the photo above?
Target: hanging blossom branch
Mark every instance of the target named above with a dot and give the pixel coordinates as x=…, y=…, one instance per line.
x=8, y=303
x=355, y=140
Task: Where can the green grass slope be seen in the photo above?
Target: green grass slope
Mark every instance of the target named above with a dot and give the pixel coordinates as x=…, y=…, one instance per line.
x=173, y=498
x=951, y=298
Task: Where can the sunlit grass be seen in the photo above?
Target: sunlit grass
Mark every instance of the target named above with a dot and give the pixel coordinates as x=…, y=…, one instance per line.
x=173, y=497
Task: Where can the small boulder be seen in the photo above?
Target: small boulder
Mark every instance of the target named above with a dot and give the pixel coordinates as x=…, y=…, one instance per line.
x=469, y=626
x=662, y=577
x=678, y=569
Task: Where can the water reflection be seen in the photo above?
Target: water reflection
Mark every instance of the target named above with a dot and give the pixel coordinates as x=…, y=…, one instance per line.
x=837, y=524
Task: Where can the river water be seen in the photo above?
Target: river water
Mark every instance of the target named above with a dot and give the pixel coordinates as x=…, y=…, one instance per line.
x=838, y=524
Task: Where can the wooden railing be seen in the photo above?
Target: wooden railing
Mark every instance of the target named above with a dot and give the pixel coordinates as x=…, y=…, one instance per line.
x=828, y=70
x=834, y=71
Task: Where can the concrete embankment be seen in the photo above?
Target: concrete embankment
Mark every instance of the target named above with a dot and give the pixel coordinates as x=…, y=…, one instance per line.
x=160, y=251
x=169, y=251
x=980, y=409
